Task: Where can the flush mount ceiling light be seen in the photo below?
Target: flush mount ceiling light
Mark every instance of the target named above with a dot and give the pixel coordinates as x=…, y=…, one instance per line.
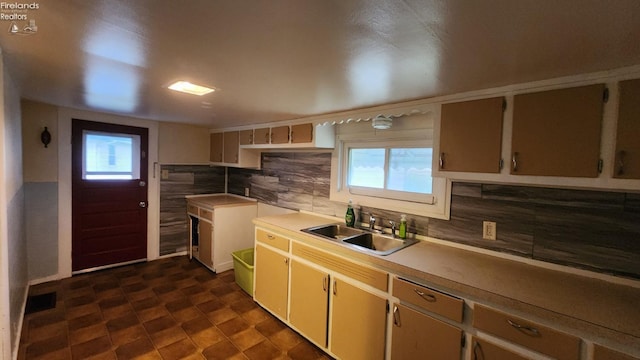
x=381, y=122
x=189, y=88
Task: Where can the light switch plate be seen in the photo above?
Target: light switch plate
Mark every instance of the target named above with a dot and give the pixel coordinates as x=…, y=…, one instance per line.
x=488, y=230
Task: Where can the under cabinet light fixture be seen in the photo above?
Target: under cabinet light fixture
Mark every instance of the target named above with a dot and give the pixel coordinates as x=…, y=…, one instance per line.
x=189, y=88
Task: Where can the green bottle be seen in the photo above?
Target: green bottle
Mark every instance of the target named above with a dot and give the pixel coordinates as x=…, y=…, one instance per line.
x=402, y=231
x=350, y=216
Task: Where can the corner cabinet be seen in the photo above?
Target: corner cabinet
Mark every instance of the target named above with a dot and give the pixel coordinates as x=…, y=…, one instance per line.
x=225, y=150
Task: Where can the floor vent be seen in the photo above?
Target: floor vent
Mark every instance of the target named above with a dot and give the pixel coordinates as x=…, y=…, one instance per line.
x=40, y=302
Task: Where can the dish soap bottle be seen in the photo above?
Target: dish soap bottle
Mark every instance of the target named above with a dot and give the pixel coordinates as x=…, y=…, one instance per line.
x=350, y=216
x=402, y=232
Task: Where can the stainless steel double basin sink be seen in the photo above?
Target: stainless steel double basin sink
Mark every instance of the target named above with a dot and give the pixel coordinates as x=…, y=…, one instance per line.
x=360, y=239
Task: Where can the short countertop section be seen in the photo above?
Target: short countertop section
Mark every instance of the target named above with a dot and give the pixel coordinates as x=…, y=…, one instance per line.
x=591, y=305
x=211, y=201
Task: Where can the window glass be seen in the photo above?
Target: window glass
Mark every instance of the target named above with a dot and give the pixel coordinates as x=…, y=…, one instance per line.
x=110, y=156
x=366, y=168
x=410, y=170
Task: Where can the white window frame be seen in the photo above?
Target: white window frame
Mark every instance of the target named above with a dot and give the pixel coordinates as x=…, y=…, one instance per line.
x=436, y=205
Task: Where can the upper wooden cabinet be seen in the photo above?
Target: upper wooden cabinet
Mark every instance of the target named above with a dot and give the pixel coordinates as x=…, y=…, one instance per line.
x=261, y=136
x=627, y=156
x=471, y=135
x=215, y=147
x=246, y=137
x=225, y=151
x=280, y=134
x=557, y=132
x=231, y=147
x=301, y=133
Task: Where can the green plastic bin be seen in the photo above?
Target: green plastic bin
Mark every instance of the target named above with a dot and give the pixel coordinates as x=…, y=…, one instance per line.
x=243, y=269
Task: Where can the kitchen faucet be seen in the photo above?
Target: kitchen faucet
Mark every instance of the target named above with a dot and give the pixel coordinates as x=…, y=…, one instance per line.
x=372, y=222
x=393, y=228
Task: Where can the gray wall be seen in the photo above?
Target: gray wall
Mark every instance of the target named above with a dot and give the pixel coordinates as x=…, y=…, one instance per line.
x=41, y=214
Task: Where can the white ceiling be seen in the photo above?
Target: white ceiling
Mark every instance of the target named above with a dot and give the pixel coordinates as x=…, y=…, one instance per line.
x=285, y=59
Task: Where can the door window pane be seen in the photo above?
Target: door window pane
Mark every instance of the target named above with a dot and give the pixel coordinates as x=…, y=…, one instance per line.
x=366, y=168
x=410, y=170
x=110, y=156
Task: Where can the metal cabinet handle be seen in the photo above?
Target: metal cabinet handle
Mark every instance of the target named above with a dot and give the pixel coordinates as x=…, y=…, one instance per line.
x=291, y=135
x=270, y=237
x=514, y=161
x=324, y=283
x=621, y=156
x=335, y=287
x=477, y=350
x=286, y=261
x=428, y=297
x=527, y=330
x=396, y=316
x=442, y=160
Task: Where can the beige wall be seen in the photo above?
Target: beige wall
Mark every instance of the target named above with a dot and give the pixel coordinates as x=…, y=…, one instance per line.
x=183, y=144
x=40, y=164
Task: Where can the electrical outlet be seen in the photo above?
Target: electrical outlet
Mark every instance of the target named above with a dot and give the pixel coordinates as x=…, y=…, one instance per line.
x=246, y=191
x=164, y=175
x=488, y=230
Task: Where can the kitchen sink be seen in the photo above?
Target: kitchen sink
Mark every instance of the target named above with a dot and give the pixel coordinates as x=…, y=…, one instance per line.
x=361, y=239
x=334, y=231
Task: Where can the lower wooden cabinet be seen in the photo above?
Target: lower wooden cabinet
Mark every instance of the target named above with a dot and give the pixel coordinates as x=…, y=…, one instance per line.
x=523, y=332
x=485, y=350
x=602, y=353
x=416, y=335
x=271, y=280
x=309, y=302
x=358, y=321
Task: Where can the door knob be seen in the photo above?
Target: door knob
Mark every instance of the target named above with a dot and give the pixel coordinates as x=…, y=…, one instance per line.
x=142, y=204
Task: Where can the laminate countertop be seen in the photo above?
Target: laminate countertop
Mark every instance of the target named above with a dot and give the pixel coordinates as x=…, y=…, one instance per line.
x=594, y=307
x=211, y=201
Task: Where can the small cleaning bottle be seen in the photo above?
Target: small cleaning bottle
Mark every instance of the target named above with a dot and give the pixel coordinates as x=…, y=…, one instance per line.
x=402, y=231
x=350, y=216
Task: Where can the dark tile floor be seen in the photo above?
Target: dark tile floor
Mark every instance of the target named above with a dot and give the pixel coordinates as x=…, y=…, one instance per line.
x=165, y=309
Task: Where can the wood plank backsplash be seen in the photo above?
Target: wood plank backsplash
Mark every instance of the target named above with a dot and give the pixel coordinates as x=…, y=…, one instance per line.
x=593, y=230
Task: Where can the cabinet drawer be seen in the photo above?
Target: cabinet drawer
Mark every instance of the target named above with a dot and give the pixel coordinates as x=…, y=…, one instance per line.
x=192, y=209
x=526, y=333
x=484, y=350
x=367, y=275
x=206, y=214
x=602, y=353
x=272, y=239
x=428, y=299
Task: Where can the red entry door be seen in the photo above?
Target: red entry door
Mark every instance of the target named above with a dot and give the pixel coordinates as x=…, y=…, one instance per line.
x=109, y=194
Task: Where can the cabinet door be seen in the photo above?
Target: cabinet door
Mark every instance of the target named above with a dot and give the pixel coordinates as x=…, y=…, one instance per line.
x=358, y=321
x=231, y=149
x=280, y=135
x=627, y=161
x=215, y=147
x=271, y=273
x=246, y=137
x=205, y=237
x=419, y=336
x=557, y=132
x=302, y=133
x=309, y=302
x=471, y=136
x=484, y=350
x=261, y=136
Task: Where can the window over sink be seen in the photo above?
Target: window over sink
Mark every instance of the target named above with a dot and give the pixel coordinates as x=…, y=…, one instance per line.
x=389, y=169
